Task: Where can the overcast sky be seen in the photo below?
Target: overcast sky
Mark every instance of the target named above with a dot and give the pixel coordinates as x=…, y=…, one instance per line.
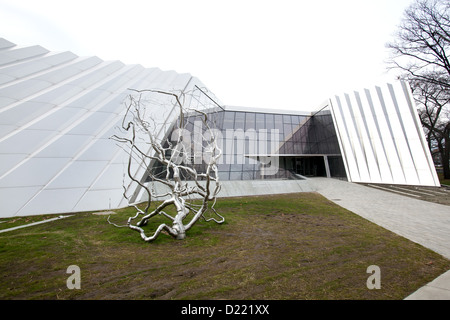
x=269, y=54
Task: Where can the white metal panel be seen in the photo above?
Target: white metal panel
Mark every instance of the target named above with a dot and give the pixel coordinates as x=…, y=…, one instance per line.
x=24, y=113
x=55, y=58
x=66, y=146
x=100, y=149
x=13, y=199
x=34, y=172
x=92, y=123
x=355, y=142
x=78, y=174
x=99, y=200
x=145, y=79
x=58, y=75
x=43, y=64
x=424, y=161
x=4, y=44
x=58, y=120
x=108, y=132
x=5, y=78
x=394, y=119
x=366, y=145
x=383, y=132
x=412, y=137
x=385, y=174
x=23, y=89
x=25, y=141
x=9, y=160
x=115, y=104
x=129, y=73
x=58, y=95
x=16, y=54
x=386, y=138
x=86, y=63
x=111, y=176
x=90, y=99
x=5, y=101
x=407, y=141
x=343, y=138
x=91, y=79
x=6, y=129
x=52, y=201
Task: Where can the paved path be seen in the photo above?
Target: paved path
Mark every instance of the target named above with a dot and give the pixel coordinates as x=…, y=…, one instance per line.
x=423, y=222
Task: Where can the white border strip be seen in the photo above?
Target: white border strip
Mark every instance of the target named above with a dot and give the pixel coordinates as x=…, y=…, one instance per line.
x=34, y=223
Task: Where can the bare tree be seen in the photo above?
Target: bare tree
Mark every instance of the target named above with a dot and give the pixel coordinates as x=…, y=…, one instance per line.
x=191, y=188
x=422, y=42
x=420, y=52
x=435, y=118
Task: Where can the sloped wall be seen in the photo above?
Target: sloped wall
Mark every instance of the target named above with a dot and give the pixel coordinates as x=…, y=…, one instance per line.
x=57, y=113
x=381, y=138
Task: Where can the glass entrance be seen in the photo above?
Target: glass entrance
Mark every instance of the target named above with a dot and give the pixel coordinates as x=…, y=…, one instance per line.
x=310, y=166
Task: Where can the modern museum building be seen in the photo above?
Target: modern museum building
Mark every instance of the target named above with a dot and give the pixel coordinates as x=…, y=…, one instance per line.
x=58, y=112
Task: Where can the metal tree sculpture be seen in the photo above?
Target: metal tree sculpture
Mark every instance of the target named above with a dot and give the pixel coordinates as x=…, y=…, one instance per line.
x=190, y=187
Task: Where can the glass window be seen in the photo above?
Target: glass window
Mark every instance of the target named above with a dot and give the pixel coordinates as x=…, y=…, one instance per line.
x=190, y=126
x=262, y=147
x=298, y=148
x=295, y=120
x=239, y=120
x=251, y=146
x=280, y=138
x=273, y=146
x=260, y=121
x=249, y=120
x=215, y=119
x=227, y=158
x=223, y=167
x=292, y=119
x=240, y=159
x=270, y=121
x=289, y=147
x=224, y=175
x=287, y=129
x=279, y=123
x=228, y=121
x=248, y=175
x=236, y=167
x=249, y=167
x=303, y=119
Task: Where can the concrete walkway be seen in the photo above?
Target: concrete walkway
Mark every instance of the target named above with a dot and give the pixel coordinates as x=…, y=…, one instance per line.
x=422, y=222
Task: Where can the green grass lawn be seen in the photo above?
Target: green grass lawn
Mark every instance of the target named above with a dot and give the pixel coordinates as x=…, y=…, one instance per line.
x=297, y=246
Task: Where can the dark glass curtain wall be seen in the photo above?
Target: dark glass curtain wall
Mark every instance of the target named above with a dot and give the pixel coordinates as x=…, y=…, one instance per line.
x=248, y=136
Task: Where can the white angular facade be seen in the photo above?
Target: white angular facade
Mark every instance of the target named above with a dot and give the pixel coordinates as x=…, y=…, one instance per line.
x=381, y=138
x=57, y=113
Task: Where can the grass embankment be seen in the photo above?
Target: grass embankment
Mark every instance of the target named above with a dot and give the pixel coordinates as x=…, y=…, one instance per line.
x=298, y=246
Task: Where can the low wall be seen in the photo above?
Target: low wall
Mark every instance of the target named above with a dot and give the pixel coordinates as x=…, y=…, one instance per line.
x=239, y=188
x=262, y=187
